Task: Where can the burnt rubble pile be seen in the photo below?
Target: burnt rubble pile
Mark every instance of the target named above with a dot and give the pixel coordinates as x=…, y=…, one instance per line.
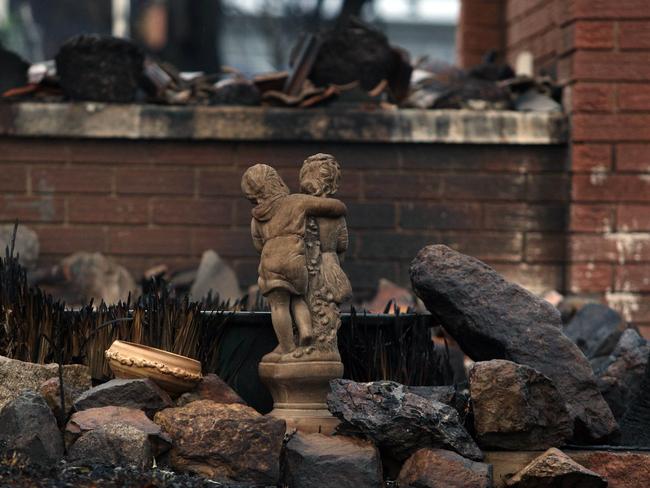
x=537, y=385
x=350, y=64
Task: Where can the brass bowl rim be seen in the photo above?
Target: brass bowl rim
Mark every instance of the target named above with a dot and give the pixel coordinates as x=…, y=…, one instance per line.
x=155, y=349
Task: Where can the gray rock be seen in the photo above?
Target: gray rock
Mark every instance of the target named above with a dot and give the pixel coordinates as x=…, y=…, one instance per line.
x=554, y=468
x=396, y=420
x=28, y=429
x=437, y=468
x=620, y=374
x=635, y=425
x=95, y=276
x=142, y=394
x=16, y=376
x=26, y=246
x=516, y=407
x=115, y=444
x=456, y=396
x=214, y=275
x=491, y=318
x=595, y=328
x=319, y=461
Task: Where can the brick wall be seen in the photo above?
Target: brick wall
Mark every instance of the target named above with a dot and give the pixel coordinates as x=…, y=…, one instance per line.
x=608, y=79
x=600, y=51
x=149, y=202
x=481, y=27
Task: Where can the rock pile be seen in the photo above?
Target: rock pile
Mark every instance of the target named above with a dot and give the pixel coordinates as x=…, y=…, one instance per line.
x=531, y=388
x=492, y=318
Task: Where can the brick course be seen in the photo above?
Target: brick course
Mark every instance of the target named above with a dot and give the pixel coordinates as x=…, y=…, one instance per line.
x=148, y=202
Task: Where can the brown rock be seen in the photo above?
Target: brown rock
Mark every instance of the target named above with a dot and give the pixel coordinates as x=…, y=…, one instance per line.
x=96, y=418
x=51, y=391
x=622, y=469
x=213, y=388
x=516, y=407
x=16, y=376
x=348, y=462
x=226, y=442
x=554, y=468
x=437, y=468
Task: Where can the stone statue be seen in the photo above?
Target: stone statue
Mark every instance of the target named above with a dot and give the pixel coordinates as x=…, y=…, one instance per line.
x=326, y=240
x=300, y=238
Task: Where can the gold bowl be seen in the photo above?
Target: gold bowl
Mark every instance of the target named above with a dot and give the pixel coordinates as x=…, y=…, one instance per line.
x=173, y=373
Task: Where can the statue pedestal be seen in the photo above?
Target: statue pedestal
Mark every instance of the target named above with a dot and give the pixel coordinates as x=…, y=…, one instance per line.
x=299, y=390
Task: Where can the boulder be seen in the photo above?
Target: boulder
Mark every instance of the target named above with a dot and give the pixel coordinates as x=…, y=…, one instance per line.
x=96, y=418
x=635, y=425
x=94, y=276
x=346, y=462
x=213, y=388
x=554, y=468
x=51, y=391
x=26, y=246
x=516, y=407
x=115, y=444
x=620, y=374
x=225, y=442
x=143, y=394
x=622, y=469
x=396, y=420
x=215, y=277
x=456, y=396
x=491, y=318
x=16, y=376
x=29, y=430
x=595, y=329
x=437, y=468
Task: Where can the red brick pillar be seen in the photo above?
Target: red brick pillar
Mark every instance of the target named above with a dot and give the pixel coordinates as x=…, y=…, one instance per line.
x=606, y=67
x=480, y=28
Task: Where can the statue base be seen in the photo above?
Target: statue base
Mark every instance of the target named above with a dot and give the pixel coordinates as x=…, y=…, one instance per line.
x=299, y=390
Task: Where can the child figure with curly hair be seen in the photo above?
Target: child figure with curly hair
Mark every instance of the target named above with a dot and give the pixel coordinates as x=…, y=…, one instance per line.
x=278, y=231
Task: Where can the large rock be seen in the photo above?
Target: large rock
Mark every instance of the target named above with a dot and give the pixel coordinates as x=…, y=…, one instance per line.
x=516, y=407
x=622, y=469
x=620, y=374
x=491, y=318
x=26, y=246
x=319, y=461
x=115, y=444
x=51, y=392
x=554, y=468
x=133, y=393
x=28, y=429
x=396, y=420
x=97, y=277
x=437, y=468
x=456, y=396
x=215, y=277
x=635, y=425
x=595, y=329
x=16, y=376
x=213, y=388
x=96, y=418
x=226, y=442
